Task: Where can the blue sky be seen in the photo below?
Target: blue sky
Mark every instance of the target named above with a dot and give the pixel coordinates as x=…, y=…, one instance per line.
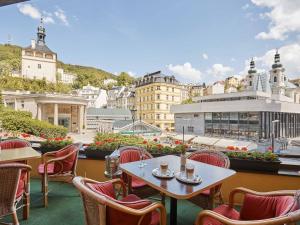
x=197, y=41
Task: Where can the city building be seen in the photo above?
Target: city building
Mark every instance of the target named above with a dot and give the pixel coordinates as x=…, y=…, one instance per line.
x=109, y=81
x=155, y=94
x=38, y=61
x=247, y=114
x=121, y=97
x=112, y=96
x=197, y=90
x=96, y=97
x=66, y=78
x=65, y=110
x=215, y=88
x=231, y=84
x=102, y=119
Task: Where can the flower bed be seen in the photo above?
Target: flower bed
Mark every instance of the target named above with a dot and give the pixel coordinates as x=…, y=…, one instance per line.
x=55, y=144
x=257, y=161
x=105, y=144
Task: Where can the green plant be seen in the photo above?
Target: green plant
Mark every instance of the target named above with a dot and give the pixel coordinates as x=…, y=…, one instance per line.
x=56, y=143
x=266, y=156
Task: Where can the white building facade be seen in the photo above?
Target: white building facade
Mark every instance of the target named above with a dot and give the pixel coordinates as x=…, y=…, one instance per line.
x=96, y=97
x=38, y=61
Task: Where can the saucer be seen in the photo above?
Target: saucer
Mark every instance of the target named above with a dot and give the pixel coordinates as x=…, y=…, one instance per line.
x=181, y=176
x=169, y=174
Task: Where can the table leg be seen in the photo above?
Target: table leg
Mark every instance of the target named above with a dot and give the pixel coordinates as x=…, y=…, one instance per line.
x=173, y=211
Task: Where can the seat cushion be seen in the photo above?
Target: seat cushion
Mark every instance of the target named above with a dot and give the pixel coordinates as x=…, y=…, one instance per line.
x=21, y=185
x=105, y=188
x=224, y=210
x=14, y=143
x=50, y=168
x=68, y=162
x=261, y=207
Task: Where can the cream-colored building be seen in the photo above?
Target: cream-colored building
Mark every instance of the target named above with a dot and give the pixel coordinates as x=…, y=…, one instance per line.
x=38, y=61
x=155, y=93
x=65, y=110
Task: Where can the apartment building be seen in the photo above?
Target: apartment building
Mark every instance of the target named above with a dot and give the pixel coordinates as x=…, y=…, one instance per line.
x=155, y=93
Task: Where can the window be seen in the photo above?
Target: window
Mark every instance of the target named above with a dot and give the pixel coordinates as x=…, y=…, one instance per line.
x=275, y=79
x=196, y=115
x=157, y=106
x=250, y=83
x=165, y=116
x=158, y=96
x=22, y=104
x=167, y=88
x=151, y=88
x=167, y=97
x=39, y=66
x=190, y=129
x=158, y=116
x=172, y=98
x=172, y=89
x=158, y=88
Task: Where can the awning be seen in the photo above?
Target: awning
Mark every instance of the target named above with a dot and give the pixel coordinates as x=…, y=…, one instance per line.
x=8, y=2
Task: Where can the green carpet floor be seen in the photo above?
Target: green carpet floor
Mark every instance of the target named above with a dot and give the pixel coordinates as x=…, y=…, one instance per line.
x=65, y=207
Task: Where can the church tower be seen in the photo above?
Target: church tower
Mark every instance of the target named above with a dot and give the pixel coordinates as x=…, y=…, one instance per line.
x=250, y=78
x=277, y=76
x=38, y=61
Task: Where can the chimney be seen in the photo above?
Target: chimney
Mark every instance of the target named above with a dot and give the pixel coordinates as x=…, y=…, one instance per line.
x=33, y=43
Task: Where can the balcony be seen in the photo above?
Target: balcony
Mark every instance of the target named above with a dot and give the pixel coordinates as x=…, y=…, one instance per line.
x=65, y=204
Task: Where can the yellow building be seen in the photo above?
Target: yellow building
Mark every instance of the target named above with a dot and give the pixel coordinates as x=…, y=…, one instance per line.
x=155, y=93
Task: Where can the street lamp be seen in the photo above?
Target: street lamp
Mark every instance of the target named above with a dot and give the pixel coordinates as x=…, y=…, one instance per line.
x=273, y=134
x=133, y=112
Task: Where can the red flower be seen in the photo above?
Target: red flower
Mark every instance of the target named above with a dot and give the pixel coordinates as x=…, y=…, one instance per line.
x=270, y=149
x=99, y=143
x=230, y=148
x=159, y=146
x=177, y=142
x=145, y=142
x=244, y=149
x=155, y=139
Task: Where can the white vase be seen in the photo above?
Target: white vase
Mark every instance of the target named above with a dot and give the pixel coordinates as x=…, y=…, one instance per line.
x=182, y=160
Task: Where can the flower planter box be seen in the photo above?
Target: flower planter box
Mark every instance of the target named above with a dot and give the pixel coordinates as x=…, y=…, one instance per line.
x=96, y=154
x=254, y=165
x=44, y=150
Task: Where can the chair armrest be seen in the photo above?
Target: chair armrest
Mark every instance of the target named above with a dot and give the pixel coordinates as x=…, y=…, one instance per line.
x=48, y=154
x=122, y=184
x=224, y=220
x=241, y=190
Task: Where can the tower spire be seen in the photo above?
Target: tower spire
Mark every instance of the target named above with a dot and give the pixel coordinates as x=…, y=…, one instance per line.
x=41, y=34
x=277, y=63
x=252, y=66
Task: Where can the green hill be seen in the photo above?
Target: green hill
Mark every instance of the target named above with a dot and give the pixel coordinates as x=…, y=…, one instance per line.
x=10, y=59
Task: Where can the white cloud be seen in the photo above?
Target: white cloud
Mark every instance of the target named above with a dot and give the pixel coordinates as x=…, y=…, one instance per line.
x=246, y=6
x=34, y=13
x=284, y=16
x=289, y=56
x=133, y=74
x=204, y=56
x=219, y=71
x=61, y=15
x=186, y=72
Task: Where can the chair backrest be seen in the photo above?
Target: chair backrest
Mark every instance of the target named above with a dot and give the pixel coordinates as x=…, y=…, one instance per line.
x=265, y=207
x=132, y=154
x=211, y=157
x=14, y=143
x=67, y=165
x=9, y=179
x=101, y=207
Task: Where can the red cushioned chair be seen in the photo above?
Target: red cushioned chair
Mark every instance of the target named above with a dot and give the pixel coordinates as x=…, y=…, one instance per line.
x=10, y=196
x=258, y=208
x=208, y=198
x=62, y=164
x=135, y=185
x=22, y=191
x=102, y=207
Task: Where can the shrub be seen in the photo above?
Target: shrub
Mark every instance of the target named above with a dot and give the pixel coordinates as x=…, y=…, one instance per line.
x=22, y=122
x=266, y=156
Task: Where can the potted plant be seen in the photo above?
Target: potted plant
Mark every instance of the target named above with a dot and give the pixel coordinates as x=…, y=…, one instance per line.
x=54, y=144
x=99, y=150
x=256, y=161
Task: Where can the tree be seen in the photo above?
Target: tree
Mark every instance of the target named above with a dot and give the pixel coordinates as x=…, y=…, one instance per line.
x=124, y=79
x=187, y=101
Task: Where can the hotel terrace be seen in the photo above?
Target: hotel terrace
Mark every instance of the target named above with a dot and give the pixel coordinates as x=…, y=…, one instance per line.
x=128, y=180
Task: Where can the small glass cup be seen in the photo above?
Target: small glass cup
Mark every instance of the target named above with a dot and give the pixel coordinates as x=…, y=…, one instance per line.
x=163, y=167
x=189, y=170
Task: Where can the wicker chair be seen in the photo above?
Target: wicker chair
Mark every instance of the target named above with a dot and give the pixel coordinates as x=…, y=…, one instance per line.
x=102, y=207
x=61, y=165
x=24, y=180
x=135, y=185
x=208, y=198
x=10, y=195
x=258, y=208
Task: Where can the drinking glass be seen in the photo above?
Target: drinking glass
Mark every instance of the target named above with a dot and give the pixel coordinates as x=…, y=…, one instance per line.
x=189, y=169
x=141, y=158
x=144, y=156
